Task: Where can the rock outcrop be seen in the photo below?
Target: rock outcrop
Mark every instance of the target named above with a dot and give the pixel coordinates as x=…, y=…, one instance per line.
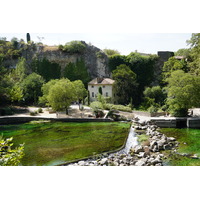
x=95, y=59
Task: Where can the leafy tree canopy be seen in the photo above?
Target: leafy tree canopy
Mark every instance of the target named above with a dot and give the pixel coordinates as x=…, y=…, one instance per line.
x=61, y=94
x=125, y=84
x=31, y=86
x=183, y=92
x=172, y=65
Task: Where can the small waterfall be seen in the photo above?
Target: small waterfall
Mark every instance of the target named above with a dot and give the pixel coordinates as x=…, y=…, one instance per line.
x=131, y=142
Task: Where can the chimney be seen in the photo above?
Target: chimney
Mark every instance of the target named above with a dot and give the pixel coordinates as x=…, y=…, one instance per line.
x=99, y=80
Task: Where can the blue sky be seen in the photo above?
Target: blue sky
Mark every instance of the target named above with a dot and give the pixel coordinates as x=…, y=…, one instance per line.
x=123, y=42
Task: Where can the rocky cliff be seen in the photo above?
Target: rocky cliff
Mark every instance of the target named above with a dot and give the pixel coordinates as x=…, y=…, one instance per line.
x=96, y=60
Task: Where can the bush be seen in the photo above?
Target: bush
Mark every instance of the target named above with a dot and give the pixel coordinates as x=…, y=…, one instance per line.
x=40, y=110
x=109, y=106
x=96, y=105
x=8, y=156
x=73, y=47
x=33, y=113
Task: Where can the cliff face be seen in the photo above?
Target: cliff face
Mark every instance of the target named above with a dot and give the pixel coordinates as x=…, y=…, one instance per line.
x=96, y=60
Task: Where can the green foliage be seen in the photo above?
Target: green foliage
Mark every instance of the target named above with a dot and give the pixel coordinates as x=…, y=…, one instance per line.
x=31, y=86
x=8, y=155
x=123, y=108
x=111, y=52
x=116, y=60
x=154, y=97
x=80, y=91
x=16, y=93
x=61, y=94
x=45, y=91
x=183, y=92
x=100, y=90
x=77, y=71
x=96, y=105
x=21, y=69
x=9, y=50
x=73, y=47
x=182, y=52
x=48, y=70
x=194, y=54
x=40, y=110
x=125, y=85
x=172, y=65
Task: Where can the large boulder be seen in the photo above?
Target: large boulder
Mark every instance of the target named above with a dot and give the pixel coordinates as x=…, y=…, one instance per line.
x=138, y=149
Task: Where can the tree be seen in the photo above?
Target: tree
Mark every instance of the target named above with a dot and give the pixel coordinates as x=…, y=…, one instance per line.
x=8, y=155
x=125, y=84
x=80, y=90
x=172, y=65
x=61, y=95
x=111, y=52
x=100, y=90
x=45, y=91
x=194, y=54
x=28, y=37
x=183, y=92
x=73, y=47
x=77, y=71
x=116, y=60
x=31, y=86
x=48, y=70
x=154, y=96
x=21, y=69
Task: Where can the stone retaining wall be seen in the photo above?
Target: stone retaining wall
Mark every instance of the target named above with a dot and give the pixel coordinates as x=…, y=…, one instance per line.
x=18, y=120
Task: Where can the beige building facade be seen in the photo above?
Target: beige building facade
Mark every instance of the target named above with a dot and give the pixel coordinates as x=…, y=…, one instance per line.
x=106, y=85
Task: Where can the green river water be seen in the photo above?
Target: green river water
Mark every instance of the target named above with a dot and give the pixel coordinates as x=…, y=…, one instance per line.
x=48, y=143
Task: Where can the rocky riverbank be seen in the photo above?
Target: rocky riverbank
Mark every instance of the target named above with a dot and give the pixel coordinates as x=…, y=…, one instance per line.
x=146, y=153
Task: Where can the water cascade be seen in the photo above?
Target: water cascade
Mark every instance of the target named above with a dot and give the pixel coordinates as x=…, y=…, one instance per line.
x=131, y=142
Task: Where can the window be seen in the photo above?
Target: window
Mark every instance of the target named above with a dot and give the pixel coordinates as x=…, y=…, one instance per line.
x=92, y=94
x=92, y=86
x=106, y=94
x=104, y=86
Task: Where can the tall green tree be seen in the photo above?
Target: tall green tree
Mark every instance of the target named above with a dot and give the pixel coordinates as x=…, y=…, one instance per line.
x=31, y=86
x=48, y=70
x=125, y=85
x=172, y=65
x=77, y=71
x=183, y=92
x=194, y=54
x=45, y=91
x=61, y=95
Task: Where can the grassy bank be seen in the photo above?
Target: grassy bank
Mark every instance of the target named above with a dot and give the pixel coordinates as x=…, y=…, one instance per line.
x=56, y=143
x=189, y=140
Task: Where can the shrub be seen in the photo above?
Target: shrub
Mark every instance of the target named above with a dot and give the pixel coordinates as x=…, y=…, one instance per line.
x=33, y=113
x=8, y=156
x=96, y=105
x=74, y=47
x=40, y=110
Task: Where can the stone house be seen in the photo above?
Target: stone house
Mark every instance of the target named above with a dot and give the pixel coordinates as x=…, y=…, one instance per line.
x=106, y=84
